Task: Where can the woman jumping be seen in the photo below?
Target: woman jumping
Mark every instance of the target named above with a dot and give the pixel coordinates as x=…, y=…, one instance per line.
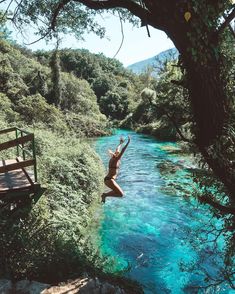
x=114, y=165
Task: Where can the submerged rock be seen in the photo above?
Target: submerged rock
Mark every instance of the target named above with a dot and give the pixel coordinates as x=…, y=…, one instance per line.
x=177, y=178
x=168, y=167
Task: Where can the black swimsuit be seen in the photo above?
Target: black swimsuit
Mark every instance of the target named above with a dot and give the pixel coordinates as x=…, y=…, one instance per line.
x=108, y=178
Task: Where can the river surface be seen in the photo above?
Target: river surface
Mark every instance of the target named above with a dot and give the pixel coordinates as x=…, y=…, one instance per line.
x=155, y=229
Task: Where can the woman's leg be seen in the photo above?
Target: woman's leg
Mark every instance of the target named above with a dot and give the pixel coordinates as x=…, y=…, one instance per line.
x=116, y=190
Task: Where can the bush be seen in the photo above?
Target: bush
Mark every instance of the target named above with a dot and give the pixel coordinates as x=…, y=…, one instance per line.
x=78, y=96
x=35, y=109
x=102, y=84
x=50, y=240
x=114, y=104
x=161, y=129
x=6, y=109
x=87, y=126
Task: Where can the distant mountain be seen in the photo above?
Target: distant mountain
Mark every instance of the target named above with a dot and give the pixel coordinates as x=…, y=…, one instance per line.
x=141, y=66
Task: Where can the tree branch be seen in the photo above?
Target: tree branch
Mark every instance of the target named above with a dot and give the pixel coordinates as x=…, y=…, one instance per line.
x=224, y=209
x=222, y=173
x=57, y=11
x=183, y=138
x=133, y=7
x=230, y=27
x=39, y=39
x=136, y=9
x=227, y=21
x=6, y=11
x=16, y=10
x=179, y=83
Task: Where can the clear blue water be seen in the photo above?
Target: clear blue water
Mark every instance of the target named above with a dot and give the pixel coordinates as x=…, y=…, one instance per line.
x=152, y=229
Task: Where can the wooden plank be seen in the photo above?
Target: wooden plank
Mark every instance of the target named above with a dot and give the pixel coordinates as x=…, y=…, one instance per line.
x=17, y=182
x=17, y=165
x=7, y=130
x=13, y=180
x=16, y=142
x=18, y=159
x=27, y=187
x=4, y=162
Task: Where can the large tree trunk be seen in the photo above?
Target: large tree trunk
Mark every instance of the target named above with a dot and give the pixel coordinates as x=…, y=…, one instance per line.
x=204, y=81
x=208, y=100
x=210, y=107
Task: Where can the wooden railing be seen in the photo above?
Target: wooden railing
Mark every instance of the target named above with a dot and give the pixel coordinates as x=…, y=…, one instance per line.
x=21, y=138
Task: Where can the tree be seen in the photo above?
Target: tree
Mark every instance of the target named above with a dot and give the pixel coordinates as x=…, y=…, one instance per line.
x=114, y=104
x=57, y=87
x=197, y=30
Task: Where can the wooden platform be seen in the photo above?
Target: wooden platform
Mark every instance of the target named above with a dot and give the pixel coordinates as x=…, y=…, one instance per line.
x=18, y=177
x=14, y=181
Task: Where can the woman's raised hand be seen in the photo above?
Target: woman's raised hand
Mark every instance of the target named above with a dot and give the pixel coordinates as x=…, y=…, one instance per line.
x=121, y=140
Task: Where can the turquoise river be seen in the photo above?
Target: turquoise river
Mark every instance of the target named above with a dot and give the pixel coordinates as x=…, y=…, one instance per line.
x=157, y=230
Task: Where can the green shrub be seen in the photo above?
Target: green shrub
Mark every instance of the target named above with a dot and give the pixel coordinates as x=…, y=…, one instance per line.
x=87, y=126
x=114, y=104
x=51, y=240
x=78, y=96
x=6, y=109
x=35, y=109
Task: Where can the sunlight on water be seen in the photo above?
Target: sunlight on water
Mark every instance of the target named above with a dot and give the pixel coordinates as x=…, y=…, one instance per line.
x=152, y=228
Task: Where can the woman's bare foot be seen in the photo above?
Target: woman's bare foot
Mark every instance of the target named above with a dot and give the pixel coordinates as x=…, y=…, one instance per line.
x=103, y=198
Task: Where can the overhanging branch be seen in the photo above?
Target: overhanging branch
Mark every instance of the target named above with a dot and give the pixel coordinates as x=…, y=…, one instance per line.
x=57, y=11
x=133, y=7
x=171, y=119
x=183, y=138
x=101, y=5
x=230, y=27
x=227, y=21
x=136, y=9
x=224, y=209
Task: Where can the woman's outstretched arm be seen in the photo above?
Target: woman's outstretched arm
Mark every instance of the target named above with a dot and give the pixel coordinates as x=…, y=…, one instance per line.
x=120, y=144
x=124, y=148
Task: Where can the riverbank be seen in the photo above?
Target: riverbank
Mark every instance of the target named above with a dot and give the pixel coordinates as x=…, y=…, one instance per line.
x=83, y=285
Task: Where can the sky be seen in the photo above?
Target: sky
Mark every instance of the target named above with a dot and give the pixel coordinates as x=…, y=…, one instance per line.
x=136, y=46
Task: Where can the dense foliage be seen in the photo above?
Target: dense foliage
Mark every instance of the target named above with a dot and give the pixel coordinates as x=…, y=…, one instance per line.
x=28, y=88
x=54, y=236
x=115, y=87
x=163, y=108
x=48, y=239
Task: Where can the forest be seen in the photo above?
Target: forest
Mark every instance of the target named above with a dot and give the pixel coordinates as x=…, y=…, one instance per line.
x=69, y=97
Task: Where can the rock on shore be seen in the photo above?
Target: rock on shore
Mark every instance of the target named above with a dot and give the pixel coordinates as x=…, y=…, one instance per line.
x=81, y=285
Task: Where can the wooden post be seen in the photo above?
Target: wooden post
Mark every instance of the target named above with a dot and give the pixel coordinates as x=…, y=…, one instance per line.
x=35, y=162
x=17, y=147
